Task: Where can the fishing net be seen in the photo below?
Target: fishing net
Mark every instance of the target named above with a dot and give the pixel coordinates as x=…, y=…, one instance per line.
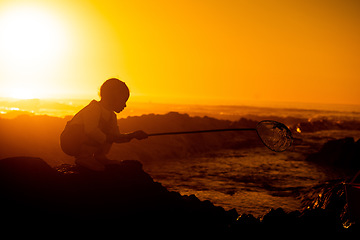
x=276, y=136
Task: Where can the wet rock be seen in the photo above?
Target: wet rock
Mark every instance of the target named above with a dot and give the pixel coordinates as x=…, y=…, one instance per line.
x=325, y=208
x=343, y=153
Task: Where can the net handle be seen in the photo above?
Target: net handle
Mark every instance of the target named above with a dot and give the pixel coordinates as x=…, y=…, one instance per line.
x=202, y=131
x=234, y=129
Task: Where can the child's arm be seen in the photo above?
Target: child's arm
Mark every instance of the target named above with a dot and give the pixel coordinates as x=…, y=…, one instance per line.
x=127, y=137
x=117, y=137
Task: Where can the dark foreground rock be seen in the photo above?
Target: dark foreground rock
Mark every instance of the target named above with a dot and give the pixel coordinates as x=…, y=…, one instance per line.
x=120, y=198
x=124, y=198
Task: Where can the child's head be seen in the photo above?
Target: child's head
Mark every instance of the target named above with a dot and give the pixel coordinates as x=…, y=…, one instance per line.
x=115, y=93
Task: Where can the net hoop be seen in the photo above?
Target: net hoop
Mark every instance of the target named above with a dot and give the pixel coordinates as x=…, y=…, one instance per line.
x=274, y=135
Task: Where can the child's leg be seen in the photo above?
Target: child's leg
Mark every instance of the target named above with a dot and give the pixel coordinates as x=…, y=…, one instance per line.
x=102, y=151
x=71, y=139
x=86, y=159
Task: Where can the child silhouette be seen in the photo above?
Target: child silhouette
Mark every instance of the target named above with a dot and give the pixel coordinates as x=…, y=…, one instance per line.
x=92, y=131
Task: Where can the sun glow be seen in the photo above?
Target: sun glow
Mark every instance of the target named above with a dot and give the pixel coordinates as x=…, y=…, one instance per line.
x=212, y=52
x=32, y=43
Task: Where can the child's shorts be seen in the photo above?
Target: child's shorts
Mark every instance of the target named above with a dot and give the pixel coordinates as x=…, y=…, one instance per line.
x=72, y=138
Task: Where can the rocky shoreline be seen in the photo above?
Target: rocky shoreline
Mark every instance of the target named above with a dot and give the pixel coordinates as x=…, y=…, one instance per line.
x=124, y=198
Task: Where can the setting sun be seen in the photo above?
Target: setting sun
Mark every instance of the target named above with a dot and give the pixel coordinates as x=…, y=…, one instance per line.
x=31, y=34
x=32, y=42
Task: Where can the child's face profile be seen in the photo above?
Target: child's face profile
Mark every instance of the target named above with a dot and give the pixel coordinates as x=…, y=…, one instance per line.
x=114, y=94
x=119, y=103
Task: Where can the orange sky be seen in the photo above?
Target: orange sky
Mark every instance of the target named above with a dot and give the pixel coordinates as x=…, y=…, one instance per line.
x=191, y=51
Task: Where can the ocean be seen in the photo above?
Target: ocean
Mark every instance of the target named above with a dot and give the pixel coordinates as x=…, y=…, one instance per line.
x=230, y=170
x=254, y=180
x=251, y=181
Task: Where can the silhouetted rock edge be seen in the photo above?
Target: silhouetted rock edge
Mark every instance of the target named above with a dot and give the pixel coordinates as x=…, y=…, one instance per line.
x=124, y=197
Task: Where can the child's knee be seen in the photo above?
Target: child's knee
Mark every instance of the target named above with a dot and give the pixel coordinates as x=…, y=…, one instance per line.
x=103, y=149
x=87, y=150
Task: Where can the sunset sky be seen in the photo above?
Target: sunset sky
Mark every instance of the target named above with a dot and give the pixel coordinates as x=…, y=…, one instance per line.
x=188, y=51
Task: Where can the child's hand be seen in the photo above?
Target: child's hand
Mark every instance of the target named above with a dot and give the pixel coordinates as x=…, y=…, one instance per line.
x=139, y=135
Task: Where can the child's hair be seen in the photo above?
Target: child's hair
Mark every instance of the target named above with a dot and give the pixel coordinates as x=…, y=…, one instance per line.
x=112, y=87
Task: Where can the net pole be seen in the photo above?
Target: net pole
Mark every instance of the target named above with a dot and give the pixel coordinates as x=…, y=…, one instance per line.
x=202, y=131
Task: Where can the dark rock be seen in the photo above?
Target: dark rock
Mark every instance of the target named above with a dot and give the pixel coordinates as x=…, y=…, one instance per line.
x=325, y=124
x=343, y=153
x=124, y=199
x=246, y=223
x=325, y=208
x=277, y=220
x=120, y=198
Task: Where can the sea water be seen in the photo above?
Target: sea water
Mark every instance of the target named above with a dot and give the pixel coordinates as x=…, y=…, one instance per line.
x=255, y=180
x=251, y=181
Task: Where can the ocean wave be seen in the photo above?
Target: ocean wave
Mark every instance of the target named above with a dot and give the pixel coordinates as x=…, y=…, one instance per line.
x=314, y=125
